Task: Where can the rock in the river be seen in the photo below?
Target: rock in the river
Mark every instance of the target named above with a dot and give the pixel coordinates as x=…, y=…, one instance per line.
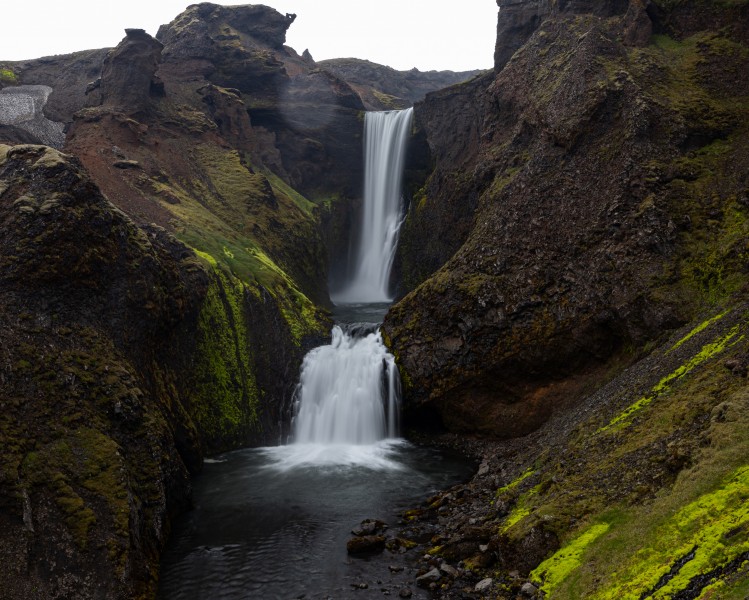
x=365, y=544
x=429, y=577
x=369, y=527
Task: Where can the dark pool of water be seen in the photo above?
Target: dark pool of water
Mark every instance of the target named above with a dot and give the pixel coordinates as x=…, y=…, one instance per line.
x=273, y=522
x=360, y=313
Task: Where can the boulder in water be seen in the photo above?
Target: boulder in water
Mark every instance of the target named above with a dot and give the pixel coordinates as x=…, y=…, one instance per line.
x=365, y=544
x=369, y=527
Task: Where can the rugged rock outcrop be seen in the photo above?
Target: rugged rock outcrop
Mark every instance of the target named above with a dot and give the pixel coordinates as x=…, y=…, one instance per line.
x=70, y=76
x=589, y=315
x=125, y=357
x=309, y=118
x=128, y=73
x=519, y=19
x=128, y=354
x=96, y=442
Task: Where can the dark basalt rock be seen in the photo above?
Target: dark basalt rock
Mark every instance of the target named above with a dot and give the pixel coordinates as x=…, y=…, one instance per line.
x=551, y=217
x=128, y=76
x=69, y=76
x=519, y=19
x=384, y=88
x=95, y=451
x=305, y=122
x=10, y=134
x=254, y=20
x=365, y=545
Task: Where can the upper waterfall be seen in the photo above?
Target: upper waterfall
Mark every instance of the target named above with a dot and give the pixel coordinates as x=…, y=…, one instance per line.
x=385, y=136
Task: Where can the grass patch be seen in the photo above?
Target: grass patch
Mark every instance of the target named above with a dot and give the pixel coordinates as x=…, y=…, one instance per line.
x=516, y=482
x=701, y=327
x=7, y=76
x=550, y=573
x=695, y=529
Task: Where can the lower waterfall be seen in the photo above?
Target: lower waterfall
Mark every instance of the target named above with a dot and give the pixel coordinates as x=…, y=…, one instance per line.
x=348, y=391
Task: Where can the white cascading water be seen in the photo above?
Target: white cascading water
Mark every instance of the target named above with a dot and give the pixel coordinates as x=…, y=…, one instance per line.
x=348, y=392
x=385, y=136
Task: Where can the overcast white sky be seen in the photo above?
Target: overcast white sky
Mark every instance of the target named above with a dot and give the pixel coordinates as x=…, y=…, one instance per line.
x=426, y=34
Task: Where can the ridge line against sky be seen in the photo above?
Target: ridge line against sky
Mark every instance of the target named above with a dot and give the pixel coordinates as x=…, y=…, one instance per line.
x=403, y=34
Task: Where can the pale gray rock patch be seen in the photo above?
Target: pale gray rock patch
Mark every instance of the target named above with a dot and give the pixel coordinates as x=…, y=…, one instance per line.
x=23, y=106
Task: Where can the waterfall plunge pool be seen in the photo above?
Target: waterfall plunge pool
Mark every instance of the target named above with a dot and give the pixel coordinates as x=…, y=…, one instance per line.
x=272, y=523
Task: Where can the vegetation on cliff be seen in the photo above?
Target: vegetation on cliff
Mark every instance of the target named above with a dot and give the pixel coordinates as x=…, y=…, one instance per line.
x=96, y=449
x=128, y=354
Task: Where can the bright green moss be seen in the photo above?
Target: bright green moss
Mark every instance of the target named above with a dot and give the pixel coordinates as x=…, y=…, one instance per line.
x=224, y=403
x=550, y=573
x=513, y=484
x=524, y=507
x=738, y=589
x=715, y=527
x=703, y=508
x=701, y=327
x=8, y=76
x=254, y=225
x=708, y=351
x=280, y=187
x=518, y=514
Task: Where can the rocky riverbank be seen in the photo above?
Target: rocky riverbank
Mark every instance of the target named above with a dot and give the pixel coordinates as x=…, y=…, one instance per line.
x=663, y=435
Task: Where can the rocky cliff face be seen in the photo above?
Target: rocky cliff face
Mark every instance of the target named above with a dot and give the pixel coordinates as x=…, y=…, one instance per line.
x=578, y=174
x=126, y=356
x=589, y=307
x=69, y=76
x=307, y=118
x=384, y=88
x=96, y=438
x=171, y=322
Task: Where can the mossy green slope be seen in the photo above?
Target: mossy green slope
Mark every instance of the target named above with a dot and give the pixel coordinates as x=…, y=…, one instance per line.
x=653, y=504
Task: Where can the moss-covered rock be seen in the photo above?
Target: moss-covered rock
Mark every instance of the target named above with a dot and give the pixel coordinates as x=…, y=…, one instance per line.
x=125, y=357
x=595, y=314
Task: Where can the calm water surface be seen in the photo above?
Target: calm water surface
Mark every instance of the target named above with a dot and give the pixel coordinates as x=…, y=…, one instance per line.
x=273, y=522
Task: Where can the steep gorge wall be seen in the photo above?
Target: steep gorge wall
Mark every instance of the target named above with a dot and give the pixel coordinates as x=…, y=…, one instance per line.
x=587, y=316
x=597, y=183
x=141, y=335
x=126, y=358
